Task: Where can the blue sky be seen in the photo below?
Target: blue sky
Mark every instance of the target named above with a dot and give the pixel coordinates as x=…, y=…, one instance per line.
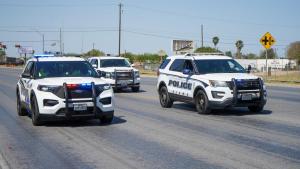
x=148, y=25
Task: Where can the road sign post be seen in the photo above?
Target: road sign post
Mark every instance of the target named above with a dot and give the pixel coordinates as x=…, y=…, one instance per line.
x=267, y=40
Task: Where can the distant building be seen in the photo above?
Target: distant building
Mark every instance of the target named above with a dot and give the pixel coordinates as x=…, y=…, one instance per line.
x=260, y=64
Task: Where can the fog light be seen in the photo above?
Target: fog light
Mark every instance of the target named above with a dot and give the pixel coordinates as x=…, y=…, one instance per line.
x=217, y=94
x=48, y=102
x=105, y=101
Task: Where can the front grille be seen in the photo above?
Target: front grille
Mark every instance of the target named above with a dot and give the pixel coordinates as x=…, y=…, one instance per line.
x=247, y=84
x=124, y=75
x=76, y=93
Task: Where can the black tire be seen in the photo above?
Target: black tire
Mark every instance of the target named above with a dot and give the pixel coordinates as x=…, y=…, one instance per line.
x=107, y=119
x=135, y=89
x=21, y=111
x=256, y=109
x=35, y=114
x=201, y=102
x=164, y=98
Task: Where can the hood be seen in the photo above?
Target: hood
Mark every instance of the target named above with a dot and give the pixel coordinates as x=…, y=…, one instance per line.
x=112, y=69
x=70, y=80
x=227, y=76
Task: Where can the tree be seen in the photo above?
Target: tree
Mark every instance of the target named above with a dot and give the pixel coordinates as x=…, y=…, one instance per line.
x=228, y=53
x=94, y=52
x=271, y=54
x=215, y=40
x=207, y=50
x=2, y=55
x=250, y=56
x=239, y=45
x=293, y=51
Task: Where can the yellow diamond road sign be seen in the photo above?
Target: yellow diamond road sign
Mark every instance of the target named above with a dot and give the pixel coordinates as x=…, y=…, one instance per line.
x=267, y=40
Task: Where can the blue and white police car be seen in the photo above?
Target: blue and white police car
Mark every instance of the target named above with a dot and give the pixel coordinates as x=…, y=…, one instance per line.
x=210, y=81
x=53, y=87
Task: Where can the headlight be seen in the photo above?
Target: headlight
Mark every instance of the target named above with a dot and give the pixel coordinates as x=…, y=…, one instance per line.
x=136, y=74
x=215, y=83
x=103, y=87
x=108, y=75
x=47, y=88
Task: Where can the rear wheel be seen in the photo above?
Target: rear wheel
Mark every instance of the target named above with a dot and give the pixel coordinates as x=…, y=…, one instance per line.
x=256, y=108
x=107, y=119
x=20, y=109
x=201, y=103
x=135, y=89
x=35, y=114
x=164, y=98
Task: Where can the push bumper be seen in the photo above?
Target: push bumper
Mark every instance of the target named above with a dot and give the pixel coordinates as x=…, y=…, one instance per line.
x=236, y=99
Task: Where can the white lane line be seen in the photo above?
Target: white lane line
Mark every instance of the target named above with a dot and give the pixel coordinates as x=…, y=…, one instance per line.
x=3, y=162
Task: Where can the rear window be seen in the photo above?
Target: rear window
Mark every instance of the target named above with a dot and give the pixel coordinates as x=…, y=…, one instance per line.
x=164, y=63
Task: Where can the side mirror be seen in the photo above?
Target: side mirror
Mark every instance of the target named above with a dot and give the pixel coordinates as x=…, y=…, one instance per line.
x=249, y=69
x=99, y=73
x=132, y=65
x=187, y=71
x=27, y=76
x=94, y=66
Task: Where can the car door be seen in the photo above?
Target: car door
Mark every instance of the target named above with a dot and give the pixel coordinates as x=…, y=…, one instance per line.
x=187, y=82
x=26, y=82
x=174, y=77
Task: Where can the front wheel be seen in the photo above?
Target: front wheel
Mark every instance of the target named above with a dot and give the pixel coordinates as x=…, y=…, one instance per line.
x=256, y=108
x=35, y=114
x=21, y=111
x=135, y=89
x=164, y=98
x=107, y=119
x=201, y=102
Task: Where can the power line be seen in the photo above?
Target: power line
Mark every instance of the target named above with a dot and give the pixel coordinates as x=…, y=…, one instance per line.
x=209, y=18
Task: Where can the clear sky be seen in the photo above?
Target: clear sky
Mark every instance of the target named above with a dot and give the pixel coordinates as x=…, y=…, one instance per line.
x=148, y=26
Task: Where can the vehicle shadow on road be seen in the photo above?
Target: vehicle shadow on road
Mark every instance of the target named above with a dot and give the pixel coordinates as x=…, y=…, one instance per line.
x=84, y=123
x=128, y=91
x=190, y=108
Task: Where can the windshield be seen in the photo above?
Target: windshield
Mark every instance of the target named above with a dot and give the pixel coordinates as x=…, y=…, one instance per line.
x=219, y=66
x=64, y=69
x=114, y=63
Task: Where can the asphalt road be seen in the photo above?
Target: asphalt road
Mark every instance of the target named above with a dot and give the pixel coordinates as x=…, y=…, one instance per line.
x=144, y=135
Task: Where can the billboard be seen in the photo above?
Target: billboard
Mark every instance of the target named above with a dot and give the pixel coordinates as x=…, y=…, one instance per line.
x=25, y=50
x=182, y=46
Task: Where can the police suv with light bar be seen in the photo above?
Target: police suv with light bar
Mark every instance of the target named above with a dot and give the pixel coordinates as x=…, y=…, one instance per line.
x=63, y=88
x=117, y=71
x=210, y=81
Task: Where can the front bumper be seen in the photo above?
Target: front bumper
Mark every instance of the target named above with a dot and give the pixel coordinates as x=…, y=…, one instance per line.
x=234, y=97
x=123, y=83
x=64, y=109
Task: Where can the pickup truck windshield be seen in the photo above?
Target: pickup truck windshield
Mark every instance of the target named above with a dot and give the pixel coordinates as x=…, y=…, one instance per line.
x=114, y=63
x=64, y=69
x=219, y=66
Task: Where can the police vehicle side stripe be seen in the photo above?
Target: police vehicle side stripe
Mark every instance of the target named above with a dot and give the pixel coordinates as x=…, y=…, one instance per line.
x=204, y=84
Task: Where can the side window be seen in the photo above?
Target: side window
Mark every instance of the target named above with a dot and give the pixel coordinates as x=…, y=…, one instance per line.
x=28, y=68
x=164, y=63
x=188, y=65
x=177, y=65
x=94, y=62
x=32, y=69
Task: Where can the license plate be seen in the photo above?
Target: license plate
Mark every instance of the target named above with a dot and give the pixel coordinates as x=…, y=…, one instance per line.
x=123, y=83
x=80, y=107
x=246, y=96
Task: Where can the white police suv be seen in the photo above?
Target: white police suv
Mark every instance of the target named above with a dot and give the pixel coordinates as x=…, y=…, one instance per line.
x=63, y=88
x=117, y=71
x=210, y=81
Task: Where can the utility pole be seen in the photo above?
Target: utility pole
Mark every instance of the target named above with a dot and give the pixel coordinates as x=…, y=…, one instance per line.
x=43, y=43
x=60, y=42
x=93, y=46
x=120, y=22
x=201, y=35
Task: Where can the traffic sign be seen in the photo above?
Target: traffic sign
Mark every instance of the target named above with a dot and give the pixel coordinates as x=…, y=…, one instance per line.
x=267, y=40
